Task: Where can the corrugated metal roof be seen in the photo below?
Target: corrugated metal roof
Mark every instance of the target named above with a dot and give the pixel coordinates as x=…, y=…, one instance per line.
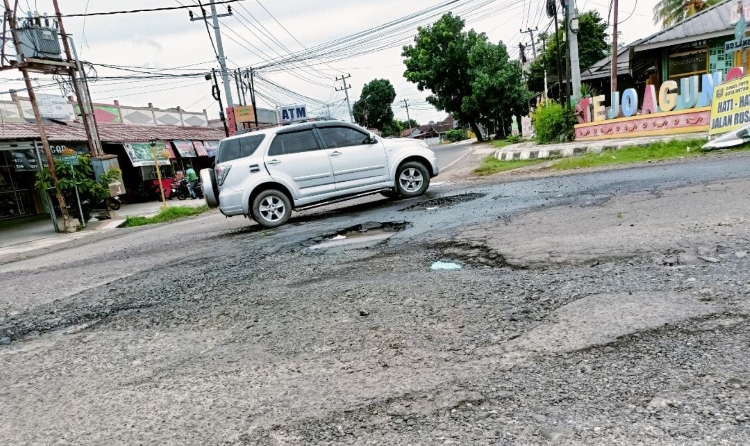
x=111, y=133
x=602, y=68
x=709, y=23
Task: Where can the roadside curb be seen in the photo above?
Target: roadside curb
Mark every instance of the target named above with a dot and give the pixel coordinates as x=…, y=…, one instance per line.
x=532, y=151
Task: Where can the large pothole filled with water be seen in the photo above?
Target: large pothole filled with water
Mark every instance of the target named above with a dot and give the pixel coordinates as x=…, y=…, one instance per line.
x=444, y=202
x=357, y=237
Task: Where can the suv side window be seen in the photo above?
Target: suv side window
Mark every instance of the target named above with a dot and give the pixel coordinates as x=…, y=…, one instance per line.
x=297, y=142
x=232, y=149
x=337, y=137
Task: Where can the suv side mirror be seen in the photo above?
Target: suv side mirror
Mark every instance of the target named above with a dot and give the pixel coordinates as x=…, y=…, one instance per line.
x=371, y=140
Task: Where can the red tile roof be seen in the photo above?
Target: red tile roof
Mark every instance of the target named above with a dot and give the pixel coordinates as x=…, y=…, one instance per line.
x=110, y=133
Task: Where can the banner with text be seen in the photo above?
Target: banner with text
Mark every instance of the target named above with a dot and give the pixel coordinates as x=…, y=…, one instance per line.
x=730, y=108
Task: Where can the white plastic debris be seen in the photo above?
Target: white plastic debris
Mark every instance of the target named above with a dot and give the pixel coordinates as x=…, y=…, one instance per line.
x=445, y=266
x=431, y=209
x=339, y=237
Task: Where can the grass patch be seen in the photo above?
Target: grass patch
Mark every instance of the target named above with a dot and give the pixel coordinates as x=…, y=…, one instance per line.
x=651, y=152
x=492, y=165
x=165, y=215
x=499, y=143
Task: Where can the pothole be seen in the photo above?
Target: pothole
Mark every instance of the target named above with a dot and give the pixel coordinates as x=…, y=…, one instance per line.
x=443, y=202
x=471, y=254
x=359, y=236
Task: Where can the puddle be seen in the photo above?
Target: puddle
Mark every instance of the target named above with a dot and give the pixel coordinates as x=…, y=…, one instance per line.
x=360, y=236
x=445, y=266
x=442, y=202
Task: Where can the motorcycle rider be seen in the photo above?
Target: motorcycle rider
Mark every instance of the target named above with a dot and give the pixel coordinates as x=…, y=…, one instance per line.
x=192, y=178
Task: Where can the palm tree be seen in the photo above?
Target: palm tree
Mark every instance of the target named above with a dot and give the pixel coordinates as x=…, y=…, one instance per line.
x=669, y=12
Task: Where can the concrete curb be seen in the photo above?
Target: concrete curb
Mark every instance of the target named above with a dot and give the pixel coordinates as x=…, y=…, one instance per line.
x=531, y=151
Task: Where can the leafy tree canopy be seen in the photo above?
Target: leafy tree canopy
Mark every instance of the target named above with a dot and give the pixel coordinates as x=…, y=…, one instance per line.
x=373, y=109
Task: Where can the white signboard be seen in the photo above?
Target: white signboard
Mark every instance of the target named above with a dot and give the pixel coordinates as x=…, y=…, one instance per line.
x=293, y=113
x=54, y=107
x=527, y=129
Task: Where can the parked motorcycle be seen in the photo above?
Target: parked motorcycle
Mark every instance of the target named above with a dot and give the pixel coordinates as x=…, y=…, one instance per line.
x=183, y=192
x=113, y=202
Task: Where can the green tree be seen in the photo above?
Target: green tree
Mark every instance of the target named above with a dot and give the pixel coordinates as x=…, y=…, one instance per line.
x=439, y=61
x=592, y=47
x=373, y=109
x=497, y=85
x=469, y=77
x=669, y=12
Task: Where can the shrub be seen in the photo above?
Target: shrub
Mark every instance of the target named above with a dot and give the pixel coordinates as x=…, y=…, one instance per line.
x=455, y=135
x=553, y=123
x=513, y=139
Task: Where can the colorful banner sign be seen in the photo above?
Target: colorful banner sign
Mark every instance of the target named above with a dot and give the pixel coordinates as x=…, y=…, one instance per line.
x=141, y=154
x=730, y=109
x=244, y=113
x=211, y=147
x=200, y=149
x=185, y=149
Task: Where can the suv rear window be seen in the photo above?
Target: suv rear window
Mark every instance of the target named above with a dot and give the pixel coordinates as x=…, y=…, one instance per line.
x=297, y=142
x=232, y=149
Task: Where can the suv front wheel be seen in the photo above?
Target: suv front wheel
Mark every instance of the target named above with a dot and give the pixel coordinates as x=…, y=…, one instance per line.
x=412, y=179
x=271, y=208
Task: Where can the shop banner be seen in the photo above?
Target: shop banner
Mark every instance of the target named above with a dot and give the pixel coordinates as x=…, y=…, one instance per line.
x=730, y=108
x=140, y=154
x=200, y=149
x=25, y=161
x=211, y=147
x=185, y=149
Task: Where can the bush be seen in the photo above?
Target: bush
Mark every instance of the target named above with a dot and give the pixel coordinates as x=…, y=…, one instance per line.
x=553, y=123
x=513, y=139
x=456, y=135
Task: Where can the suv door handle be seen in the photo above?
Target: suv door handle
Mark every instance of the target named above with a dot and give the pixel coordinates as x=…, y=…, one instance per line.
x=273, y=162
x=335, y=153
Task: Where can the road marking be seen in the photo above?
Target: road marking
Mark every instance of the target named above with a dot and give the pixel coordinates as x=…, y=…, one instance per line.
x=454, y=162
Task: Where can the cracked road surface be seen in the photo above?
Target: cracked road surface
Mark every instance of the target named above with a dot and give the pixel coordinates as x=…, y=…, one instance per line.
x=596, y=308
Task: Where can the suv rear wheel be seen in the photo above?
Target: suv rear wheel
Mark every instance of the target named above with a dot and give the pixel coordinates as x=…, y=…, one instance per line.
x=271, y=208
x=412, y=179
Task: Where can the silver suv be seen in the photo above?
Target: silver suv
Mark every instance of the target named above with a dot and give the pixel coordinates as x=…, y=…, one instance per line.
x=266, y=174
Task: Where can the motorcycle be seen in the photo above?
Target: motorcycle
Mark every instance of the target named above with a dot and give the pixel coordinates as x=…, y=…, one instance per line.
x=114, y=204
x=183, y=192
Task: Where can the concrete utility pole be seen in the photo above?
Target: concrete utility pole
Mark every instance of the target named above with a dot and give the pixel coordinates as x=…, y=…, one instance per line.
x=408, y=118
x=81, y=89
x=613, y=62
x=345, y=89
x=533, y=42
x=543, y=38
x=23, y=66
x=219, y=46
x=575, y=66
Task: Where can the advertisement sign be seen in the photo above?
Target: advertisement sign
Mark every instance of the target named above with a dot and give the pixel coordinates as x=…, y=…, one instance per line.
x=730, y=108
x=211, y=147
x=71, y=160
x=25, y=160
x=140, y=154
x=293, y=113
x=200, y=149
x=231, y=121
x=54, y=107
x=185, y=149
x=244, y=113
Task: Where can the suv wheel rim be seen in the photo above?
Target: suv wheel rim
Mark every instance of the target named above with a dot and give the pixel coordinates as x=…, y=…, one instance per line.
x=272, y=208
x=411, y=179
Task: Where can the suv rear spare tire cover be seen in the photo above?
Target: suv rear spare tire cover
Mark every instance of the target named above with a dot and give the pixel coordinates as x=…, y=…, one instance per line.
x=210, y=187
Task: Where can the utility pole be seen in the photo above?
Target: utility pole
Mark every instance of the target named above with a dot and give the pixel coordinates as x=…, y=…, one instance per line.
x=543, y=38
x=575, y=66
x=252, y=94
x=533, y=42
x=23, y=66
x=219, y=46
x=217, y=95
x=345, y=89
x=552, y=9
x=613, y=62
x=408, y=117
x=237, y=75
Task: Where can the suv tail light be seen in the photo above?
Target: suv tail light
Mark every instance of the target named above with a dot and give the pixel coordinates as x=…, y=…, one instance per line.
x=222, y=170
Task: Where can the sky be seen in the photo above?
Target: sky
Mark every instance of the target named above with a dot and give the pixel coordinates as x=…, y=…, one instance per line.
x=167, y=41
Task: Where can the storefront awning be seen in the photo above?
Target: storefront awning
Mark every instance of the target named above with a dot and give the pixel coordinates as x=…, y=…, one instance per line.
x=185, y=148
x=200, y=149
x=211, y=147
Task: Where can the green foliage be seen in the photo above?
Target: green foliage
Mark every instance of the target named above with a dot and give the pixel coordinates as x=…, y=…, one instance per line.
x=492, y=165
x=468, y=76
x=592, y=47
x=68, y=176
x=670, y=12
x=677, y=148
x=553, y=123
x=166, y=215
x=373, y=109
x=513, y=139
x=456, y=135
x=587, y=91
x=395, y=128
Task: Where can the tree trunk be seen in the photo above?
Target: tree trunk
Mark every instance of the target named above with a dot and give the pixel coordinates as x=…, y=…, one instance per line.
x=475, y=129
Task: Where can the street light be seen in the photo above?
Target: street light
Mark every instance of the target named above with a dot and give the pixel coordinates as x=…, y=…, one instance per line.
x=164, y=154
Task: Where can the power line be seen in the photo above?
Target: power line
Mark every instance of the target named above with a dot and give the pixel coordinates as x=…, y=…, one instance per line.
x=134, y=11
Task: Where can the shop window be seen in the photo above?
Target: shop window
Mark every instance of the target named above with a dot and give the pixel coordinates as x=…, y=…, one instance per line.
x=687, y=63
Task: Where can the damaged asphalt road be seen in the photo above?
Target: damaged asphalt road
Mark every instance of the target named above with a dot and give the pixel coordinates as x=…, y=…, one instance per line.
x=600, y=308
